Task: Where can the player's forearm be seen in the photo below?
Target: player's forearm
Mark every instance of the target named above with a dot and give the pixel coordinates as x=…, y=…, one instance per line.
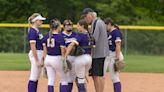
x=63, y=50
x=118, y=49
x=44, y=51
x=33, y=48
x=69, y=48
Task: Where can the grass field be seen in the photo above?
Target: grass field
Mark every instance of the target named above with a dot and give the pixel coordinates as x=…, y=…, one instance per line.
x=14, y=61
x=134, y=63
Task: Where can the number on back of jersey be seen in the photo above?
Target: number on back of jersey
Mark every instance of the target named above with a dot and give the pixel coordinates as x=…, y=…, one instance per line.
x=51, y=43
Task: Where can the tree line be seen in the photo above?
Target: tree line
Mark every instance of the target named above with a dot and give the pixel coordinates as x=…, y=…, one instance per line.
x=123, y=12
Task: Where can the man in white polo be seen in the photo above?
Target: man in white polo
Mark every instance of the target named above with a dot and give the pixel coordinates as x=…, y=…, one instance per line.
x=98, y=30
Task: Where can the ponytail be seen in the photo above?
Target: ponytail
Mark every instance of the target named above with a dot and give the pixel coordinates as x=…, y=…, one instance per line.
x=34, y=15
x=54, y=24
x=116, y=26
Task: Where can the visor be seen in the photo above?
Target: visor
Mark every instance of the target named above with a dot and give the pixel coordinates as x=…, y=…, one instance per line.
x=38, y=18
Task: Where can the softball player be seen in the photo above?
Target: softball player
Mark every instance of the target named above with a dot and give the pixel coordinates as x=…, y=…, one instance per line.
x=54, y=45
x=114, y=41
x=83, y=62
x=69, y=35
x=36, y=52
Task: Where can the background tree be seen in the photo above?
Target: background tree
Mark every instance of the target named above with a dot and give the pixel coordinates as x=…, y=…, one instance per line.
x=123, y=12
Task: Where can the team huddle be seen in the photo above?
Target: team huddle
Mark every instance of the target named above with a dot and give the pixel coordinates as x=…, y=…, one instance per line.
x=74, y=55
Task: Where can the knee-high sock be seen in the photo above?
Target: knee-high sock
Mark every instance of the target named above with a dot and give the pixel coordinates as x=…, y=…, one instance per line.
x=70, y=86
x=32, y=86
x=50, y=88
x=63, y=88
x=117, y=87
x=81, y=87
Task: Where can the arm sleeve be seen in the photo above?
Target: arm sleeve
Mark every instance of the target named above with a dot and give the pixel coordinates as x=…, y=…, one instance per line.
x=32, y=36
x=76, y=40
x=118, y=36
x=62, y=42
x=44, y=40
x=96, y=31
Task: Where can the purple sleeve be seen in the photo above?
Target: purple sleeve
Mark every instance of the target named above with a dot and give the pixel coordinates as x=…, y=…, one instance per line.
x=44, y=40
x=117, y=35
x=32, y=35
x=78, y=38
x=62, y=41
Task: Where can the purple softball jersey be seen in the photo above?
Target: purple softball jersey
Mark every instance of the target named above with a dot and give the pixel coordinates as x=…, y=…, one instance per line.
x=83, y=40
x=53, y=47
x=36, y=36
x=69, y=38
x=114, y=36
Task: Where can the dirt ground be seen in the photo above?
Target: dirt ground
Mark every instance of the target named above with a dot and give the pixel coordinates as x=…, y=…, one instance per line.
x=16, y=81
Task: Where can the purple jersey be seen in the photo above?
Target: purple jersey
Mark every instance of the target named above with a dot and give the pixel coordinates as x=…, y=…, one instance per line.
x=113, y=37
x=53, y=47
x=83, y=40
x=35, y=36
x=69, y=38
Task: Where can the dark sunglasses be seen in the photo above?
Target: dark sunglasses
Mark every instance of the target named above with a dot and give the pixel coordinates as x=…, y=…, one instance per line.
x=68, y=24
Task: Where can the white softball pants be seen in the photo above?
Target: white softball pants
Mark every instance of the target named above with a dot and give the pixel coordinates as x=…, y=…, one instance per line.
x=35, y=70
x=82, y=66
x=53, y=65
x=71, y=74
x=109, y=61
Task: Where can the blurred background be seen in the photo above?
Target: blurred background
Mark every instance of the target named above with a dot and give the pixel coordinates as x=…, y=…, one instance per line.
x=139, y=46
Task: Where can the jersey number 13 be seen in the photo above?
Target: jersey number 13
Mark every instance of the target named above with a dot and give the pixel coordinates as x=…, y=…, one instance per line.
x=51, y=43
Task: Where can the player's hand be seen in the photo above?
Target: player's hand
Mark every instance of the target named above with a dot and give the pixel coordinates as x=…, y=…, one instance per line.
x=117, y=59
x=39, y=64
x=118, y=65
x=42, y=62
x=65, y=66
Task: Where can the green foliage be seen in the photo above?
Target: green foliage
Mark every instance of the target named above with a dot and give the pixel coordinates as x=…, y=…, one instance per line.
x=20, y=10
x=11, y=39
x=123, y=12
x=145, y=42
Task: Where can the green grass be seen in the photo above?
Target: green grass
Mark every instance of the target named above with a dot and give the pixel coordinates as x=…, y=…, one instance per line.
x=14, y=61
x=143, y=63
x=134, y=63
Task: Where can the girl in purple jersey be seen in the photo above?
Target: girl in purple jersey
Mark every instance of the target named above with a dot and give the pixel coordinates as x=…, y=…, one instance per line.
x=82, y=62
x=55, y=47
x=114, y=42
x=69, y=35
x=36, y=52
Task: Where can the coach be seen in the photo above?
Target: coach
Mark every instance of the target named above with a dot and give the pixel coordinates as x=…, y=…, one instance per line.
x=98, y=30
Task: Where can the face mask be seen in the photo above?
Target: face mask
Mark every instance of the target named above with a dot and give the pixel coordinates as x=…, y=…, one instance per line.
x=69, y=30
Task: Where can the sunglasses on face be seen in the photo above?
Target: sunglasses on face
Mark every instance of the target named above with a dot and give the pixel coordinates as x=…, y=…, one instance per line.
x=68, y=24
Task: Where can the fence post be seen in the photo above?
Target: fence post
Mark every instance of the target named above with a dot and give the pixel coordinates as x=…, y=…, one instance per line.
x=125, y=42
x=24, y=48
